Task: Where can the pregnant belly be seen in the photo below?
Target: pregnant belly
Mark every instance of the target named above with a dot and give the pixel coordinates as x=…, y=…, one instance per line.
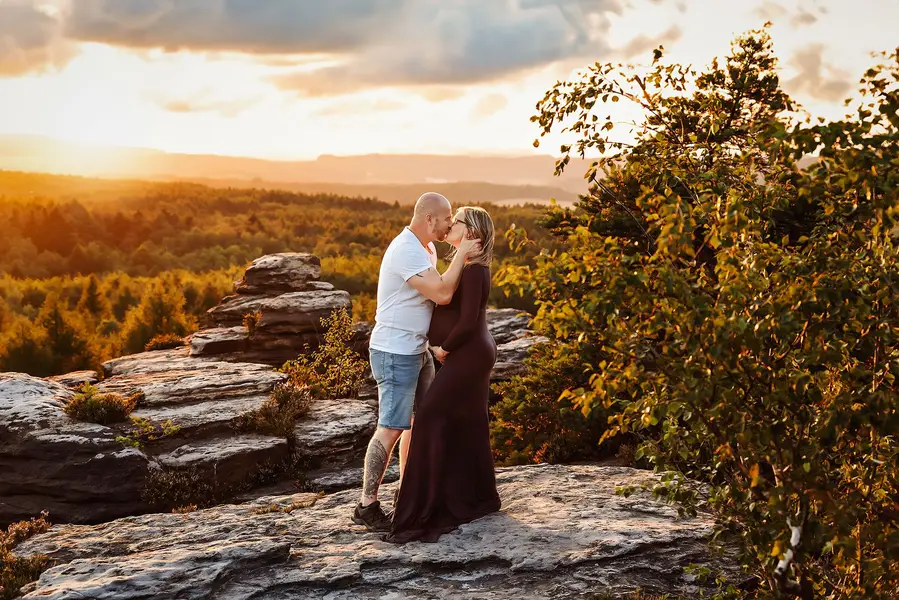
x=442, y=323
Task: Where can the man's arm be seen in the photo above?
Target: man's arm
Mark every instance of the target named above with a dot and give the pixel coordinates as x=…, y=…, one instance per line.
x=440, y=288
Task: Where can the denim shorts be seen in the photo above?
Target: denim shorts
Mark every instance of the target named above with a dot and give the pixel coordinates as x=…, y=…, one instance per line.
x=403, y=380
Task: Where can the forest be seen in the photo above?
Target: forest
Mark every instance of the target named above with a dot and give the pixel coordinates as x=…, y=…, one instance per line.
x=91, y=269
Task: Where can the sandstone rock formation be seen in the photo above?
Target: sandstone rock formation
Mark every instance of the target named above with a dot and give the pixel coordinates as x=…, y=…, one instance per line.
x=562, y=533
x=80, y=473
x=76, y=471
x=285, y=292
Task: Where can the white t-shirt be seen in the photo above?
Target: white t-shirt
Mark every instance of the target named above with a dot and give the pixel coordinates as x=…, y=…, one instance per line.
x=404, y=314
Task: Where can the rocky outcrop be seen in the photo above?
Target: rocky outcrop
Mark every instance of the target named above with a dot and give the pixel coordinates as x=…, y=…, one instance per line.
x=80, y=473
x=288, y=301
x=562, y=533
x=77, y=471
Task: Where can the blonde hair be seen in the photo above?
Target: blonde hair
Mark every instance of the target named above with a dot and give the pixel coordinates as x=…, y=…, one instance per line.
x=480, y=227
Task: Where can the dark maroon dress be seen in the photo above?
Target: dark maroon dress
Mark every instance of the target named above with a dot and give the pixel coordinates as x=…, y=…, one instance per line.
x=449, y=478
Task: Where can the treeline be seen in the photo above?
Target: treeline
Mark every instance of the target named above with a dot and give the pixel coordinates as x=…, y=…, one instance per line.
x=92, y=269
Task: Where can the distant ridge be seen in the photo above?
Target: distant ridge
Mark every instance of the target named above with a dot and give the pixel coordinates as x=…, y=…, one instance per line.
x=40, y=154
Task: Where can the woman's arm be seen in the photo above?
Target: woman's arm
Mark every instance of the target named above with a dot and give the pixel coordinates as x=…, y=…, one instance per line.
x=473, y=289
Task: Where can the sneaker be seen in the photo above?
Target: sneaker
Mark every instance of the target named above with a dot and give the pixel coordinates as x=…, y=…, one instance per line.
x=372, y=517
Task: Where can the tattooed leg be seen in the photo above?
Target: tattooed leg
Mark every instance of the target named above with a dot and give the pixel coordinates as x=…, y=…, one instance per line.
x=377, y=457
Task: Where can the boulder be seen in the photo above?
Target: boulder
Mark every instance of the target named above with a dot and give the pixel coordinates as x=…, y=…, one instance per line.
x=562, y=533
x=288, y=302
x=76, y=471
x=76, y=379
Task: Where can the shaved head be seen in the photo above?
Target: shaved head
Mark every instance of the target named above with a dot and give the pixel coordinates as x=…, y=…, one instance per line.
x=433, y=217
x=431, y=203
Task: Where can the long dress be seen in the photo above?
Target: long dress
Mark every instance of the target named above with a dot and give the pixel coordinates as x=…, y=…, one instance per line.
x=449, y=478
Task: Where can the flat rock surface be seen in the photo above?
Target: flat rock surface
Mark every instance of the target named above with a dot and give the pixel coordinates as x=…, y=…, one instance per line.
x=76, y=378
x=562, y=533
x=336, y=430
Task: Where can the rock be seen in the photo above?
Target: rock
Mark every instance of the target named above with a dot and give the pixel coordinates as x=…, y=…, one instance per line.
x=220, y=340
x=507, y=324
x=510, y=357
x=76, y=379
x=229, y=459
x=289, y=313
x=289, y=302
x=331, y=480
x=336, y=431
x=563, y=533
x=286, y=272
x=76, y=471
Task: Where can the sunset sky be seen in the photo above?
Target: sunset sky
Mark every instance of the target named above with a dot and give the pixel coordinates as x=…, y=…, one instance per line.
x=292, y=79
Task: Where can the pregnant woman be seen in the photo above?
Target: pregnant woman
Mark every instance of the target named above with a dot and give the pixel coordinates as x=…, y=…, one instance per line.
x=449, y=478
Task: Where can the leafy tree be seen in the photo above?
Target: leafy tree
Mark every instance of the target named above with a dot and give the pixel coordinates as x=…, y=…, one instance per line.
x=68, y=343
x=741, y=306
x=92, y=301
x=161, y=311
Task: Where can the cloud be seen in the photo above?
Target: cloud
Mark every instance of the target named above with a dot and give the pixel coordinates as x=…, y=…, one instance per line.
x=226, y=108
x=771, y=11
x=489, y=105
x=643, y=44
x=272, y=26
x=817, y=79
x=465, y=42
x=30, y=39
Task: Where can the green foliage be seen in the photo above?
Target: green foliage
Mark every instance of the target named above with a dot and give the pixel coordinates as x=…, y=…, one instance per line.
x=164, y=341
x=278, y=415
x=160, y=312
x=92, y=406
x=17, y=571
x=740, y=307
x=334, y=369
x=532, y=423
x=143, y=430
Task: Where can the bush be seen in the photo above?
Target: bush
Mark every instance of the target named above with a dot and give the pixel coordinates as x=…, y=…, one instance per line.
x=250, y=320
x=334, y=369
x=278, y=415
x=532, y=423
x=92, y=406
x=742, y=308
x=17, y=571
x=165, y=341
x=144, y=430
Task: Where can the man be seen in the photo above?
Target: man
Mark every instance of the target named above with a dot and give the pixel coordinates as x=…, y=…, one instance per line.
x=408, y=287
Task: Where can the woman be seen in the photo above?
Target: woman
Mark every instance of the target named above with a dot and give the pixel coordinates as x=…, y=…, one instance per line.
x=449, y=478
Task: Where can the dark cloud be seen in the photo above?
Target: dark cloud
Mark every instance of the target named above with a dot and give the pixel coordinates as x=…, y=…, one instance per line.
x=269, y=26
x=815, y=78
x=29, y=39
x=466, y=41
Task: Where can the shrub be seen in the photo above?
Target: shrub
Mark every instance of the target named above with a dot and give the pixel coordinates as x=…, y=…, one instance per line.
x=250, y=320
x=17, y=571
x=742, y=307
x=334, y=369
x=164, y=341
x=532, y=423
x=144, y=430
x=92, y=406
x=278, y=415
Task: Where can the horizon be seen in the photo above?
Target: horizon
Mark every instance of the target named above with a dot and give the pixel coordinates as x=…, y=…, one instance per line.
x=284, y=82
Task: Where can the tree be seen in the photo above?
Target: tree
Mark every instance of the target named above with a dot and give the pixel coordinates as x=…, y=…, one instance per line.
x=740, y=306
x=68, y=343
x=161, y=311
x=92, y=301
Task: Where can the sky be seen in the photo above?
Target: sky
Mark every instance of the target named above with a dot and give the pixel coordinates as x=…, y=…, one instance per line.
x=295, y=79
